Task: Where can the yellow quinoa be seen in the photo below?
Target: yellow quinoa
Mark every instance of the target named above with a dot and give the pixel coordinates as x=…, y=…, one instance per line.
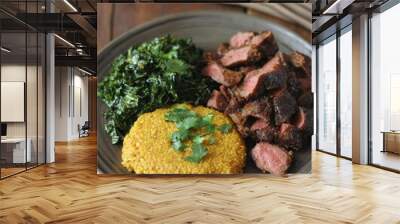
x=147, y=148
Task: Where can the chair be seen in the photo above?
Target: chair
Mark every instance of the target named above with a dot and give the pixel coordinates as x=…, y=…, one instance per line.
x=84, y=130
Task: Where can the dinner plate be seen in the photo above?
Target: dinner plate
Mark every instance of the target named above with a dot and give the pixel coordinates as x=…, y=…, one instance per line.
x=207, y=29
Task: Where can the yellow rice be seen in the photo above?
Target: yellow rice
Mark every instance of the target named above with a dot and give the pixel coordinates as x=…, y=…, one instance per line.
x=147, y=148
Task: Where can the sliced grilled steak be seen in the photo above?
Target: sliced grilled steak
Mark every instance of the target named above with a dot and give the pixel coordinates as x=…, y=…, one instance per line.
x=241, y=39
x=224, y=91
x=222, y=49
x=271, y=158
x=272, y=104
x=276, y=80
x=253, y=82
x=217, y=101
x=266, y=42
x=285, y=106
x=247, y=69
x=290, y=137
x=222, y=75
x=260, y=108
x=234, y=102
x=241, y=56
x=262, y=130
x=301, y=64
x=233, y=105
x=210, y=56
x=293, y=85
x=305, y=84
x=240, y=121
x=305, y=120
x=306, y=100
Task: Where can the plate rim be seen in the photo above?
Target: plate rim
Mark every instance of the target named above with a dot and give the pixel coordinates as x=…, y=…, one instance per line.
x=182, y=15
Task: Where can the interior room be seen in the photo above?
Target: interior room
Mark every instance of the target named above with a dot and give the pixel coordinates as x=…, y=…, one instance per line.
x=29, y=58
x=49, y=119
x=335, y=83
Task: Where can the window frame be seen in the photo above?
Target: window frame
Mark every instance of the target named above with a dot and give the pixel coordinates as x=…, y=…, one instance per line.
x=334, y=37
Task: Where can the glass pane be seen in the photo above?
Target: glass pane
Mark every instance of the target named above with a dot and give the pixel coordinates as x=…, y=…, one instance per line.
x=346, y=94
x=327, y=96
x=385, y=84
x=13, y=87
x=31, y=98
x=41, y=99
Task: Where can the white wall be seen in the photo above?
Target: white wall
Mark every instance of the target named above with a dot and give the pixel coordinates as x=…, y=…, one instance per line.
x=70, y=83
x=33, y=127
x=16, y=73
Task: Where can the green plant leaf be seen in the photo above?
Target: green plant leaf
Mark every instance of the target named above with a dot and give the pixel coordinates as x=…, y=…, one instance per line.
x=198, y=152
x=225, y=128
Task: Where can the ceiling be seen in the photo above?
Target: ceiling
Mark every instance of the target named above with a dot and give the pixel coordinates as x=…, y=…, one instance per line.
x=332, y=15
x=74, y=22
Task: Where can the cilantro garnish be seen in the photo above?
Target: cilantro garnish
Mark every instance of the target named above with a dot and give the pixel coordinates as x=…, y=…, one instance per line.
x=192, y=126
x=198, y=152
x=225, y=128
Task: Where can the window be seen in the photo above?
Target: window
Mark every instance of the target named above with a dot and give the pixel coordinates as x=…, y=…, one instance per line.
x=327, y=96
x=22, y=77
x=385, y=89
x=346, y=93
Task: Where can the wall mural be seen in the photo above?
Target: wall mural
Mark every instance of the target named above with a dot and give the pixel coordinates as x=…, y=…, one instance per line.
x=204, y=92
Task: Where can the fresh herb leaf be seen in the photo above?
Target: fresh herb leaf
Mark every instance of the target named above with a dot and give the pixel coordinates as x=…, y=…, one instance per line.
x=177, y=66
x=210, y=128
x=177, y=139
x=192, y=126
x=207, y=120
x=188, y=123
x=198, y=139
x=180, y=135
x=198, y=152
x=178, y=146
x=225, y=128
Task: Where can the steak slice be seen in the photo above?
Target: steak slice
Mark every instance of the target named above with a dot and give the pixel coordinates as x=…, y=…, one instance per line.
x=253, y=82
x=276, y=80
x=224, y=91
x=305, y=120
x=217, y=101
x=240, y=39
x=222, y=75
x=266, y=42
x=285, y=106
x=290, y=137
x=301, y=64
x=262, y=130
x=240, y=121
x=247, y=69
x=210, y=56
x=260, y=108
x=293, y=85
x=305, y=84
x=241, y=56
x=234, y=102
x=306, y=100
x=271, y=158
x=222, y=49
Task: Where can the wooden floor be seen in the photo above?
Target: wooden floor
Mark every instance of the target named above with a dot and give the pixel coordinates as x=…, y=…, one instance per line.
x=69, y=191
x=387, y=159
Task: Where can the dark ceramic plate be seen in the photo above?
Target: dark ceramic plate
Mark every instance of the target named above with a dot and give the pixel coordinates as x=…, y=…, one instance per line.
x=207, y=29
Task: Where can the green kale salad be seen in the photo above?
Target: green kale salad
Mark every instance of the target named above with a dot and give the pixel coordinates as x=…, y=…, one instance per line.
x=154, y=74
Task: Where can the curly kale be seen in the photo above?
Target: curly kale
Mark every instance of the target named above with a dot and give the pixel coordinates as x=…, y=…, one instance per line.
x=155, y=74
